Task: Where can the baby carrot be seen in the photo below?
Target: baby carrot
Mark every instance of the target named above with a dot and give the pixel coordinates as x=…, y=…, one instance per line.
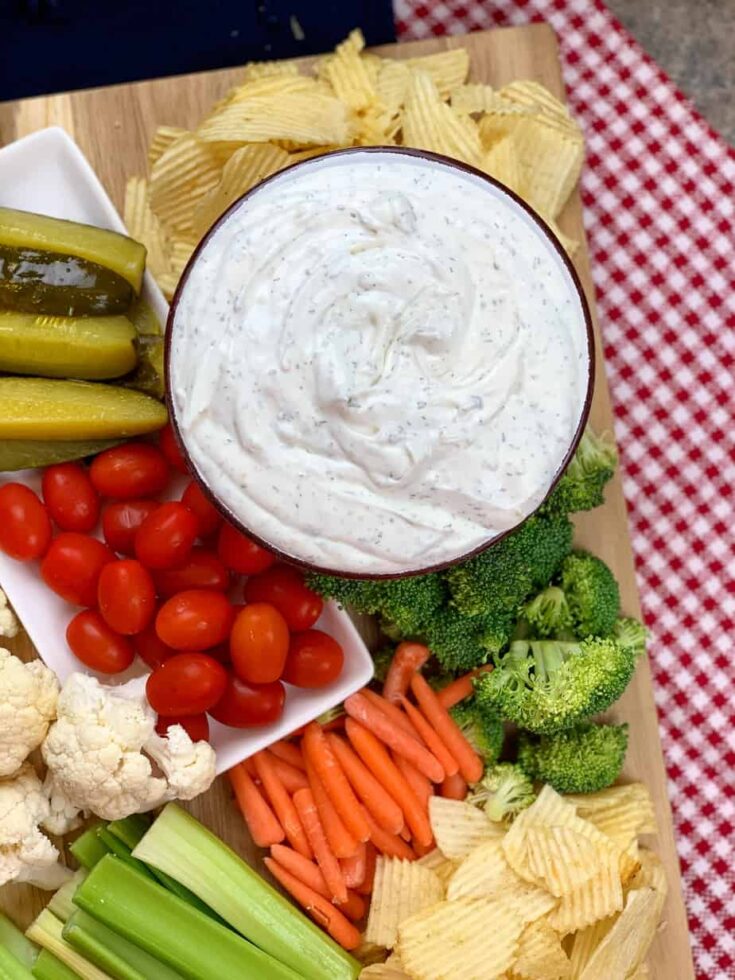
x=408, y=658
x=371, y=856
x=288, y=752
x=319, y=908
x=318, y=752
x=353, y=868
x=433, y=742
x=392, y=845
x=328, y=863
x=282, y=803
x=459, y=689
x=377, y=800
x=308, y=872
x=261, y=821
x=420, y=785
x=341, y=841
x=291, y=777
x=470, y=764
x=375, y=756
x=454, y=787
x=392, y=710
x=379, y=724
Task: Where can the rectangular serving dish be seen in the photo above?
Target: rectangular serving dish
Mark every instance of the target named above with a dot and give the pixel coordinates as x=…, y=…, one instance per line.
x=47, y=172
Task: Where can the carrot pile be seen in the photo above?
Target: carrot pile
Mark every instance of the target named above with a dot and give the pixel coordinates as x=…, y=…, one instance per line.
x=330, y=799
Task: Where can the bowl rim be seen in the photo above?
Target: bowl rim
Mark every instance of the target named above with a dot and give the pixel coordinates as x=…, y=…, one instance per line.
x=544, y=229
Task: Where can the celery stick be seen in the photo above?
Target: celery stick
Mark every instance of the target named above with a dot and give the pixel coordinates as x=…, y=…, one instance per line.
x=13, y=940
x=62, y=904
x=143, y=912
x=88, y=849
x=49, y=967
x=47, y=932
x=179, y=845
x=109, y=951
x=12, y=969
x=115, y=846
x=130, y=831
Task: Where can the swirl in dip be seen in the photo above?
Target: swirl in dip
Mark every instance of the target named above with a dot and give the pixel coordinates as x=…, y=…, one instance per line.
x=378, y=362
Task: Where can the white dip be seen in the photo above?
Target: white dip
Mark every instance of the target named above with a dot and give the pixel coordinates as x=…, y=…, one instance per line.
x=378, y=363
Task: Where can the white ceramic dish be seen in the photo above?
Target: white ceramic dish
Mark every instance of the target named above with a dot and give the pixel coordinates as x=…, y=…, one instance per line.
x=47, y=172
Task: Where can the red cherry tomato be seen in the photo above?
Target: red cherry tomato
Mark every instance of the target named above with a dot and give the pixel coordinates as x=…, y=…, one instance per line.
x=170, y=449
x=187, y=684
x=284, y=588
x=98, y=646
x=126, y=596
x=25, y=528
x=132, y=470
x=70, y=498
x=195, y=620
x=201, y=570
x=314, y=659
x=259, y=643
x=150, y=647
x=195, y=726
x=241, y=554
x=120, y=521
x=72, y=567
x=206, y=513
x=166, y=536
x=246, y=705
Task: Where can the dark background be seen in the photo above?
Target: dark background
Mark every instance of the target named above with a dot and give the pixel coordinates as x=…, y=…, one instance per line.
x=58, y=45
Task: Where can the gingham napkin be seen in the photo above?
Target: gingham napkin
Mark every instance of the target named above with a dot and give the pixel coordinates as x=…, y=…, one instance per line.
x=659, y=196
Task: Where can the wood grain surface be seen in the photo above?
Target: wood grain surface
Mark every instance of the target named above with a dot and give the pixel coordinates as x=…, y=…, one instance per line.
x=113, y=127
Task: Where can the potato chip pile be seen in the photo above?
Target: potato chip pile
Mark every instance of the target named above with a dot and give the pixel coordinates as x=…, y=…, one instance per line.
x=519, y=134
x=564, y=892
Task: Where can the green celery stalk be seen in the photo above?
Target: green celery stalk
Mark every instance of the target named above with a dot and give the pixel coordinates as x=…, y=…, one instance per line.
x=12, y=969
x=88, y=849
x=143, y=912
x=61, y=903
x=179, y=845
x=130, y=831
x=109, y=951
x=47, y=932
x=15, y=943
x=49, y=967
x=115, y=846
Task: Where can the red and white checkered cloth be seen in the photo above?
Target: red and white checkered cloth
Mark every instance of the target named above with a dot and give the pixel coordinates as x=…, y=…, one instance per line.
x=659, y=196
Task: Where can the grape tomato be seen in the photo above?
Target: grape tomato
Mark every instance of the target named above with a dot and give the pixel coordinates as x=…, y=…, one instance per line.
x=284, y=588
x=25, y=527
x=314, y=659
x=97, y=645
x=120, y=521
x=246, y=705
x=187, y=684
x=259, y=643
x=72, y=566
x=240, y=553
x=195, y=726
x=165, y=538
x=195, y=620
x=134, y=469
x=70, y=497
x=126, y=596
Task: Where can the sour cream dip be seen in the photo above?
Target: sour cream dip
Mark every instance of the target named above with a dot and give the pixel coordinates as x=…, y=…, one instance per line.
x=378, y=362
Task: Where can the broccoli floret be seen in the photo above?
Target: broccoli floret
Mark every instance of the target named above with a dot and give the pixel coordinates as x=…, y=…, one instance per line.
x=503, y=792
x=405, y=605
x=548, y=686
x=548, y=613
x=584, y=759
x=592, y=594
x=382, y=658
x=461, y=642
x=498, y=581
x=482, y=728
x=631, y=634
x=582, y=486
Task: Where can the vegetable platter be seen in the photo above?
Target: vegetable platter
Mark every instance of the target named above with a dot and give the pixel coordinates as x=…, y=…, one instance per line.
x=117, y=150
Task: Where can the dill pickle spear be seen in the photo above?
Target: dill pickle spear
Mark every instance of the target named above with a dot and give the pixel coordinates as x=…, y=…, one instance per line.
x=119, y=253
x=28, y=454
x=148, y=375
x=32, y=281
x=91, y=348
x=46, y=408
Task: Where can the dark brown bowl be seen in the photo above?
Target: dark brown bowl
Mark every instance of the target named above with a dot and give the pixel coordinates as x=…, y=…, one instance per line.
x=545, y=230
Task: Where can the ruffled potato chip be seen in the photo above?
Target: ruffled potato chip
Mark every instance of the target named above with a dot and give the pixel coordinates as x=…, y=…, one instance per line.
x=540, y=954
x=430, y=124
x=144, y=226
x=401, y=889
x=626, y=945
x=561, y=858
x=459, y=827
x=185, y=173
x=442, y=867
x=298, y=119
x=163, y=137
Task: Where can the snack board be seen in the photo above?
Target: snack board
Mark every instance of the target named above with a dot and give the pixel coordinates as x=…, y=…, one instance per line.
x=114, y=126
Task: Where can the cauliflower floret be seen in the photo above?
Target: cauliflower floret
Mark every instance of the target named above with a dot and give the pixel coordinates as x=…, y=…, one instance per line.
x=96, y=752
x=8, y=622
x=25, y=854
x=63, y=815
x=27, y=705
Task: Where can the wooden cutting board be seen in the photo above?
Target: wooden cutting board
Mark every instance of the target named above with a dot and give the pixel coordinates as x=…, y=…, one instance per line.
x=113, y=127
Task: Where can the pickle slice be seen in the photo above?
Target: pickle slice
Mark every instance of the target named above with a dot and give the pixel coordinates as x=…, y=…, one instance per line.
x=148, y=375
x=28, y=454
x=23, y=229
x=143, y=318
x=92, y=348
x=45, y=408
x=59, y=285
